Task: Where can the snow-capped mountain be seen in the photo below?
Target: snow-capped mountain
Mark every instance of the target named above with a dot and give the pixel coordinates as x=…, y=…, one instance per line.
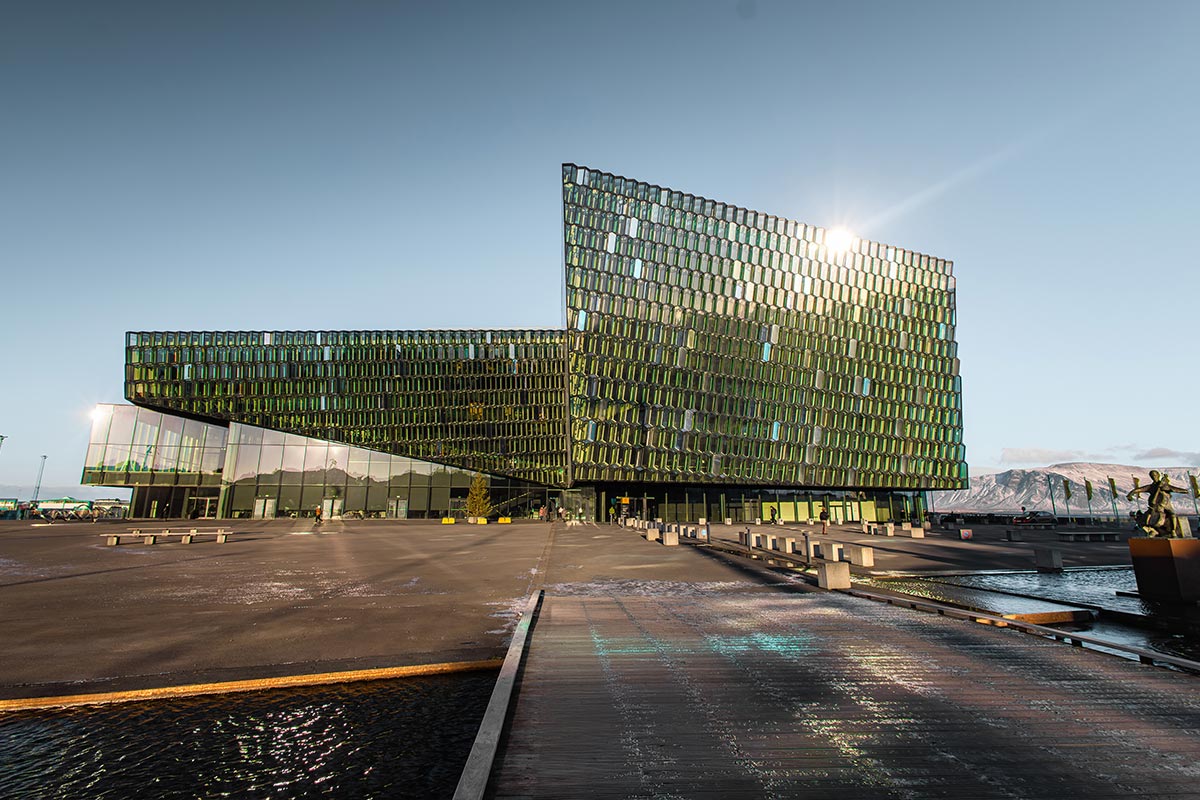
x=1008, y=491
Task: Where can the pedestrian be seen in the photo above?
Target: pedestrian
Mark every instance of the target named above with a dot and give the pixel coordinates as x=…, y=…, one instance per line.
x=774, y=515
x=542, y=513
x=317, y=513
x=824, y=521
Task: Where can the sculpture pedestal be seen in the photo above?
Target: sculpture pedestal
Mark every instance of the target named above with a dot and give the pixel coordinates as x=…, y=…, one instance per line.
x=1167, y=570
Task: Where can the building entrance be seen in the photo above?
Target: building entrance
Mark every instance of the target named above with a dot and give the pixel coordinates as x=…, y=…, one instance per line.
x=201, y=508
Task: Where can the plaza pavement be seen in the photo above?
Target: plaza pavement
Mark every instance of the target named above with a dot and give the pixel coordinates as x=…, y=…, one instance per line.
x=284, y=597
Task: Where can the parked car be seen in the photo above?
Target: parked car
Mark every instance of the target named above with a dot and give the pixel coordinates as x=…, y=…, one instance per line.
x=1036, y=518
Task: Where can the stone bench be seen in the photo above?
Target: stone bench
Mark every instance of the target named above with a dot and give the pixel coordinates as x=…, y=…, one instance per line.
x=1089, y=536
x=152, y=537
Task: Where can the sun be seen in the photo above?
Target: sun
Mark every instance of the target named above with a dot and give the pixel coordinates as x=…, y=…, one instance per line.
x=839, y=240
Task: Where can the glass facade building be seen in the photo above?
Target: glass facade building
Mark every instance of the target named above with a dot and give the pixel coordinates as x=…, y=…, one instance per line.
x=716, y=362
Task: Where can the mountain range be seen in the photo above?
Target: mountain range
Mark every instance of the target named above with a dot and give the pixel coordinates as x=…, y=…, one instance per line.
x=1032, y=489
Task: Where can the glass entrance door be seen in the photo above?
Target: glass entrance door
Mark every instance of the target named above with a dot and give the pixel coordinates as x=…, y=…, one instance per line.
x=202, y=507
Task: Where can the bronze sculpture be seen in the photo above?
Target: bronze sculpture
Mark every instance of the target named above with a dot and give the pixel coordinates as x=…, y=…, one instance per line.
x=1159, y=518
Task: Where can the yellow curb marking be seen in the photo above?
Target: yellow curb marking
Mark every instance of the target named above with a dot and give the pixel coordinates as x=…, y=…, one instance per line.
x=253, y=685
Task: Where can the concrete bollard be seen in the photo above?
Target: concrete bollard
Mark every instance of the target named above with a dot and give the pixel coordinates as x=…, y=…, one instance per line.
x=744, y=538
x=889, y=529
x=670, y=539
x=1048, y=559
x=702, y=521
x=833, y=575
x=114, y=540
x=966, y=534
x=652, y=535
x=784, y=544
x=1011, y=535
x=729, y=520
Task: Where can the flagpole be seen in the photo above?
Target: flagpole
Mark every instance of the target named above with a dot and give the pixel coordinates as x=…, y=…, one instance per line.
x=1050, y=486
x=1195, y=491
x=1113, y=485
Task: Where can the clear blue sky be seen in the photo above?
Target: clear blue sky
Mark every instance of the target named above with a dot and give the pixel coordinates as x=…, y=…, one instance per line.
x=346, y=165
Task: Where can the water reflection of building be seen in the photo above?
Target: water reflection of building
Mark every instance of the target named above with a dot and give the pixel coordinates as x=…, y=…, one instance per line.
x=717, y=362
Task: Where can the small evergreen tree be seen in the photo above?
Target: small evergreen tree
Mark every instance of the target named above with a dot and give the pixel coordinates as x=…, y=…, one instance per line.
x=479, y=501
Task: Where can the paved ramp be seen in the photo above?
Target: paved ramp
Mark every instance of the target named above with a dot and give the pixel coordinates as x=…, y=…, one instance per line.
x=730, y=694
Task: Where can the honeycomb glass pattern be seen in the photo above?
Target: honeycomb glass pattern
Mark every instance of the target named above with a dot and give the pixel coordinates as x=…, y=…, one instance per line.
x=711, y=344
x=492, y=401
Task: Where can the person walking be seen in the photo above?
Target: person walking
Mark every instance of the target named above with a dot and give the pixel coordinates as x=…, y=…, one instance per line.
x=824, y=517
x=317, y=514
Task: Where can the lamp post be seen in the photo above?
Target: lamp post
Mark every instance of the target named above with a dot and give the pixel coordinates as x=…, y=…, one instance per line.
x=38, y=487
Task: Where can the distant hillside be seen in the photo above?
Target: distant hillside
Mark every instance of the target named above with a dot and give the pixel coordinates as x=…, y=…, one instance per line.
x=80, y=492
x=1008, y=491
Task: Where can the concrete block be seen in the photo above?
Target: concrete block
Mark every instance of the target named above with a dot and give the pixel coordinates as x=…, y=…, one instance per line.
x=833, y=575
x=785, y=544
x=729, y=520
x=744, y=538
x=149, y=538
x=860, y=555
x=702, y=534
x=889, y=529
x=1011, y=535
x=831, y=551
x=670, y=539
x=703, y=521
x=222, y=537
x=652, y=535
x=760, y=540
x=187, y=538
x=966, y=534
x=1047, y=559
x=114, y=540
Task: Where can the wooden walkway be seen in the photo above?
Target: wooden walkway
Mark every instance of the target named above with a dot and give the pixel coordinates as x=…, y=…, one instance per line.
x=729, y=694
